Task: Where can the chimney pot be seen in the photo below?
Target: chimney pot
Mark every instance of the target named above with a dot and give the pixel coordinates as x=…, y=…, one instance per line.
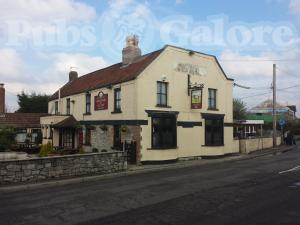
x=132, y=51
x=2, y=98
x=73, y=75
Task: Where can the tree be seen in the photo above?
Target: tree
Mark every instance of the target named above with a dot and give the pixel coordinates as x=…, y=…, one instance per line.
x=239, y=109
x=33, y=103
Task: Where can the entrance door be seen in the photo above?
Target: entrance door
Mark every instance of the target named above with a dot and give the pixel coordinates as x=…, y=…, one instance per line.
x=66, y=138
x=117, y=137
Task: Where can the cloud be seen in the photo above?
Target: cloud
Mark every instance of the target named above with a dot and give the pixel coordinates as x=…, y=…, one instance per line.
x=81, y=62
x=43, y=79
x=42, y=10
x=294, y=6
x=256, y=71
x=11, y=64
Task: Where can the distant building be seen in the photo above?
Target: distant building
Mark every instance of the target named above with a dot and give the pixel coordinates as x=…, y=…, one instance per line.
x=264, y=111
x=26, y=125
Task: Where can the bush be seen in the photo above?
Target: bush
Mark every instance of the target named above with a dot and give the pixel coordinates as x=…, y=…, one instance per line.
x=46, y=150
x=7, y=138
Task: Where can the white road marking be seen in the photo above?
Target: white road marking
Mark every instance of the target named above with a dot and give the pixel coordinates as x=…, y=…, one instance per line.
x=290, y=170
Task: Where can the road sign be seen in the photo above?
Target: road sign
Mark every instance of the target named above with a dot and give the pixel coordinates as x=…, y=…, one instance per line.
x=281, y=122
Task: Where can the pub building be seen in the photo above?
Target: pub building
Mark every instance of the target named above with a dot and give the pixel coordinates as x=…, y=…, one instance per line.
x=169, y=104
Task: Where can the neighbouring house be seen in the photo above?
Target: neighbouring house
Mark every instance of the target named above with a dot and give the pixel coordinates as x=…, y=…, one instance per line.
x=26, y=125
x=168, y=104
x=264, y=111
x=248, y=128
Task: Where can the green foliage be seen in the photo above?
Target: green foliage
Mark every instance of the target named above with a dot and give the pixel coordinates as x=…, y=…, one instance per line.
x=7, y=138
x=239, y=109
x=33, y=103
x=46, y=150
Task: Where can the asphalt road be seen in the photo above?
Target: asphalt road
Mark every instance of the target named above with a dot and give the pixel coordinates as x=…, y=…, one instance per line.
x=242, y=192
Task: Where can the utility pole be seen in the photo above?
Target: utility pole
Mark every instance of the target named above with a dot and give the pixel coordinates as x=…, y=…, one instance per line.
x=274, y=106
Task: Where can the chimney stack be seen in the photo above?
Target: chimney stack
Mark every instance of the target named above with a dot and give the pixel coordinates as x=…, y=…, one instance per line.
x=132, y=51
x=73, y=75
x=2, y=98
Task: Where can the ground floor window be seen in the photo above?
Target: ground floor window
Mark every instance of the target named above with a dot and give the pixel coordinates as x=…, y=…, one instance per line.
x=66, y=138
x=88, y=136
x=164, y=131
x=214, y=132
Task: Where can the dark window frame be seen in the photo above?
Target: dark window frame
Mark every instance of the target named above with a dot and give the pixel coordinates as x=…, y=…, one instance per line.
x=87, y=103
x=56, y=107
x=88, y=136
x=212, y=100
x=68, y=106
x=117, y=100
x=162, y=126
x=214, y=131
x=160, y=94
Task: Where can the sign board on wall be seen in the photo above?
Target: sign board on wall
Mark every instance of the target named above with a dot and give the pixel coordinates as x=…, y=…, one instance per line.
x=196, y=99
x=190, y=69
x=101, y=102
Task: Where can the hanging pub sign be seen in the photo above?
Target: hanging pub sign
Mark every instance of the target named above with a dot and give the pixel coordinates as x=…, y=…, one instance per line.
x=101, y=101
x=196, y=99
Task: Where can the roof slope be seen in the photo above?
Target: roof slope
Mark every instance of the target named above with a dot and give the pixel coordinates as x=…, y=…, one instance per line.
x=21, y=120
x=114, y=74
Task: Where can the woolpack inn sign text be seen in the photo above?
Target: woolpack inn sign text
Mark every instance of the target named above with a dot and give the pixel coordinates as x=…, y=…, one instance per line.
x=190, y=69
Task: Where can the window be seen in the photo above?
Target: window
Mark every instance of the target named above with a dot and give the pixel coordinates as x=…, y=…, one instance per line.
x=68, y=106
x=88, y=103
x=88, y=137
x=66, y=138
x=214, y=132
x=56, y=107
x=212, y=98
x=162, y=94
x=164, y=133
x=117, y=100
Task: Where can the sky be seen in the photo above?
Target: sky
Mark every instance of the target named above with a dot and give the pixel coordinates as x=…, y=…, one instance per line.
x=41, y=40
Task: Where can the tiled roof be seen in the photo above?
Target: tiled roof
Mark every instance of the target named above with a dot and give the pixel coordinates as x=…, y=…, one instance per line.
x=21, y=120
x=67, y=123
x=111, y=75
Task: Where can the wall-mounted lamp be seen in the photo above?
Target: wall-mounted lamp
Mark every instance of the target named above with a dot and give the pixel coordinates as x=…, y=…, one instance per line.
x=164, y=78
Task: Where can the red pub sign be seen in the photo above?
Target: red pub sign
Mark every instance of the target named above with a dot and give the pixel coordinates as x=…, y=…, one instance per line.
x=101, y=101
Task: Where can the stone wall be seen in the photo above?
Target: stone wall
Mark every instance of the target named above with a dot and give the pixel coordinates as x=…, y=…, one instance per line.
x=31, y=170
x=102, y=140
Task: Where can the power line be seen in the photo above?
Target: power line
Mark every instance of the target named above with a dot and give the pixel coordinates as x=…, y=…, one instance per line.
x=287, y=73
x=250, y=96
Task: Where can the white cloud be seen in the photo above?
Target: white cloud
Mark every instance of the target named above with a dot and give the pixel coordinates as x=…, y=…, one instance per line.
x=83, y=63
x=11, y=64
x=294, y=6
x=43, y=10
x=253, y=71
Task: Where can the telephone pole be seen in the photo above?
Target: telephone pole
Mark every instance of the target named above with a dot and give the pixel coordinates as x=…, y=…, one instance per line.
x=274, y=105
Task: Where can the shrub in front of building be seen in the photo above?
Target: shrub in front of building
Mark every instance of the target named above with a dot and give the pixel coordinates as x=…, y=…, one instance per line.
x=7, y=138
x=46, y=150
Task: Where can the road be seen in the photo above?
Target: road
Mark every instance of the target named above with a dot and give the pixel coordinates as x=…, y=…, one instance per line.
x=264, y=190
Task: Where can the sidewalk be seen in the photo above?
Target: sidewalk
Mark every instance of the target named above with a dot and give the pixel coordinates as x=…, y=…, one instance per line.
x=133, y=169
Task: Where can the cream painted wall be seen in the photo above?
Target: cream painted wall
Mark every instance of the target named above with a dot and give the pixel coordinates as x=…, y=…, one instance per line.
x=190, y=141
x=128, y=104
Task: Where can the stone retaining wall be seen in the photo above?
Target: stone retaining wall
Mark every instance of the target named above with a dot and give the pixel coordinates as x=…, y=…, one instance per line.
x=30, y=170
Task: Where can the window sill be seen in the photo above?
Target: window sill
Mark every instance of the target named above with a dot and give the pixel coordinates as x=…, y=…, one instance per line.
x=116, y=111
x=163, y=106
x=87, y=114
x=163, y=149
x=213, y=145
x=212, y=109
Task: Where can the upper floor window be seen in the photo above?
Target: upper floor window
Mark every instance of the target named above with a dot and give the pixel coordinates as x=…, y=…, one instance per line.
x=212, y=98
x=56, y=107
x=88, y=103
x=117, y=100
x=162, y=94
x=68, y=106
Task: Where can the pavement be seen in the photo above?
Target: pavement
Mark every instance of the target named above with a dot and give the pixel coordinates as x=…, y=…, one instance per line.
x=248, y=190
x=134, y=169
